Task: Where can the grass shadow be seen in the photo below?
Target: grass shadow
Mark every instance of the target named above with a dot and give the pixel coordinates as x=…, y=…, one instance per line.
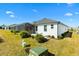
x=50, y=54
x=1, y=40
x=27, y=49
x=44, y=40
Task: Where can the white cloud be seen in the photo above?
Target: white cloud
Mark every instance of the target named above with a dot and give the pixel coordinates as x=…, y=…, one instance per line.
x=9, y=12
x=68, y=14
x=12, y=16
x=34, y=10
x=76, y=13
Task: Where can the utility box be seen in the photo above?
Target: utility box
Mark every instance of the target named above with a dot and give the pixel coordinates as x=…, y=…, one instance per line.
x=38, y=51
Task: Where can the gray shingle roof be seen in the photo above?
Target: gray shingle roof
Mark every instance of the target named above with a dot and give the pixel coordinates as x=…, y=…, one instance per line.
x=45, y=21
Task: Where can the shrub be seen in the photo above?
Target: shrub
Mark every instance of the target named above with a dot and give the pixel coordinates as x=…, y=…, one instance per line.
x=33, y=36
x=25, y=34
x=64, y=34
x=11, y=31
x=40, y=38
x=15, y=31
x=67, y=34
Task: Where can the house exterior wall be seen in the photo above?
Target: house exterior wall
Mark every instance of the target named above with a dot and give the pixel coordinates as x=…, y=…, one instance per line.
x=61, y=29
x=51, y=32
x=17, y=27
x=57, y=30
x=20, y=27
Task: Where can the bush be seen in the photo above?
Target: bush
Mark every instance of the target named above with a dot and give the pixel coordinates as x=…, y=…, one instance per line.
x=67, y=34
x=25, y=34
x=64, y=34
x=11, y=31
x=15, y=31
x=40, y=38
x=33, y=36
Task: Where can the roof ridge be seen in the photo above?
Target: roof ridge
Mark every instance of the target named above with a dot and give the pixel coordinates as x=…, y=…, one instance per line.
x=46, y=20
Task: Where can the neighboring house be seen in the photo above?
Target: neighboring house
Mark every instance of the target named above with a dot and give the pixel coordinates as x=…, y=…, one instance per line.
x=12, y=27
x=0, y=27
x=21, y=27
x=49, y=27
x=3, y=27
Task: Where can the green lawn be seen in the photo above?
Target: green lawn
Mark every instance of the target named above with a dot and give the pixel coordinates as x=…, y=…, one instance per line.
x=64, y=47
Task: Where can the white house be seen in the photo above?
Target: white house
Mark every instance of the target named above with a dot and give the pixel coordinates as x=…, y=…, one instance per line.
x=49, y=27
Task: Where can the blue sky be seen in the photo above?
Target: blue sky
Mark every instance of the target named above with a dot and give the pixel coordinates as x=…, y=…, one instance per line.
x=68, y=13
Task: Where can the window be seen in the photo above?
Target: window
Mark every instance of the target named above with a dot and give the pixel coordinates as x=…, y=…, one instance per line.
x=45, y=27
x=36, y=28
x=51, y=26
